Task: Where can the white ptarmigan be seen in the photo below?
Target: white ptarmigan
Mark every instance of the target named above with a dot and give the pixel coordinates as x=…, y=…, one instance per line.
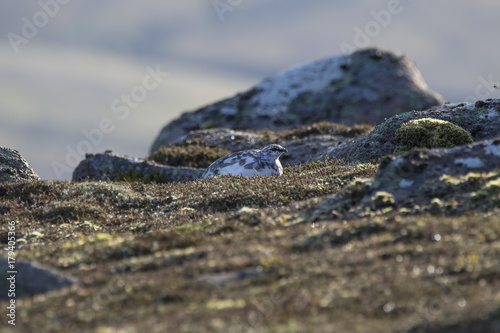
x=248, y=163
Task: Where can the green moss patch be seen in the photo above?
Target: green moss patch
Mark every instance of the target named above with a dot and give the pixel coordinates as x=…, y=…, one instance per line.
x=430, y=133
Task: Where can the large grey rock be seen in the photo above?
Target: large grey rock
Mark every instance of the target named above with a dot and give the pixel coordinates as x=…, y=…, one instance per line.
x=365, y=86
x=14, y=168
x=108, y=166
x=481, y=119
x=30, y=279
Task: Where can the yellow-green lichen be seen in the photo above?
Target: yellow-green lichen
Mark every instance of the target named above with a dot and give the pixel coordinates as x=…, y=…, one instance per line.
x=436, y=206
x=223, y=304
x=382, y=199
x=449, y=185
x=489, y=191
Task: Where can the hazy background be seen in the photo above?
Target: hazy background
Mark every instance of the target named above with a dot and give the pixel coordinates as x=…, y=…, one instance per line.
x=90, y=52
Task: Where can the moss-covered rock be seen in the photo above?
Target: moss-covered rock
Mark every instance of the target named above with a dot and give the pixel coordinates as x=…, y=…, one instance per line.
x=438, y=181
x=444, y=180
x=481, y=119
x=430, y=133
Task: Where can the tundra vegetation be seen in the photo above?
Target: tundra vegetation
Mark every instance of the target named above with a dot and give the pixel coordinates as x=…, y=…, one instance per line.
x=318, y=249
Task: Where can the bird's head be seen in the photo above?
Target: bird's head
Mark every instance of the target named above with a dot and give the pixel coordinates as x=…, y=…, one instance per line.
x=272, y=152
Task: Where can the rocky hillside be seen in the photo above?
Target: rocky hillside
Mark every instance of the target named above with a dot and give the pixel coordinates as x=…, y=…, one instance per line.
x=386, y=228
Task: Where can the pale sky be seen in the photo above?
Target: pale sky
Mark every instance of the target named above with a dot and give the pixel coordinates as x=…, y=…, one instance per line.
x=63, y=63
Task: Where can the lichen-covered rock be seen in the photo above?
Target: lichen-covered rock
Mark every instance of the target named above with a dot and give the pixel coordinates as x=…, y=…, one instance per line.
x=30, y=279
x=363, y=87
x=108, y=166
x=420, y=173
x=437, y=181
x=14, y=168
x=481, y=119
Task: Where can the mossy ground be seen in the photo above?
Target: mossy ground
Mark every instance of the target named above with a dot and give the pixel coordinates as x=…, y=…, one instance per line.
x=319, y=128
x=234, y=254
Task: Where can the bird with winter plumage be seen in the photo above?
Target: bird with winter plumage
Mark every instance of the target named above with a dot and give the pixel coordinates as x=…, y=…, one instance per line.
x=249, y=163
